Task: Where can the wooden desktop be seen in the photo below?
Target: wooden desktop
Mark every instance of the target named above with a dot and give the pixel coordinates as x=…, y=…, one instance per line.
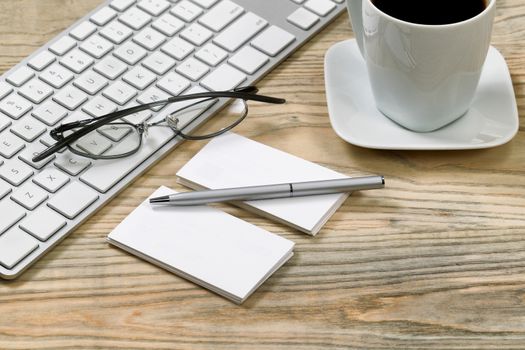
x=434, y=261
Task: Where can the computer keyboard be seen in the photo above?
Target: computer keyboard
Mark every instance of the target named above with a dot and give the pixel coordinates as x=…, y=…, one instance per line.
x=122, y=53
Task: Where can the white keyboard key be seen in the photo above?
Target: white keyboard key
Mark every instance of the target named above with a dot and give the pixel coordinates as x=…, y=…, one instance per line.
x=123, y=146
x=211, y=54
x=73, y=117
x=83, y=30
x=103, y=16
x=94, y=143
x=139, y=117
x=29, y=195
x=15, y=106
x=153, y=94
x=51, y=179
x=130, y=53
x=70, y=97
x=186, y=11
x=10, y=144
x=192, y=68
x=5, y=89
x=99, y=106
x=110, y=67
x=173, y=83
x=15, y=245
x=56, y=76
x=196, y=34
x=96, y=46
x=28, y=128
x=76, y=61
x=159, y=63
x=139, y=77
x=178, y=48
x=240, y=31
x=76, y=116
x=303, y=18
x=15, y=172
x=43, y=223
x=120, y=93
x=5, y=189
x=36, y=91
x=73, y=199
x=116, y=32
x=20, y=76
x=273, y=40
x=41, y=61
x=4, y=123
x=91, y=82
x=63, y=45
x=205, y=3
x=104, y=174
x=225, y=77
x=321, y=7
x=71, y=163
x=135, y=18
x=11, y=214
x=31, y=151
x=221, y=15
x=114, y=132
x=248, y=60
x=121, y=5
x=168, y=24
x=149, y=38
x=154, y=7
x=50, y=113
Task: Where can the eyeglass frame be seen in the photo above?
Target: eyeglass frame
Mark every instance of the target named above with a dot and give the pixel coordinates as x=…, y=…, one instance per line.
x=142, y=129
x=247, y=93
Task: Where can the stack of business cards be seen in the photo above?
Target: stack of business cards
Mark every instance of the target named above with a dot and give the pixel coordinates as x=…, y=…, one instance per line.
x=211, y=248
x=235, y=161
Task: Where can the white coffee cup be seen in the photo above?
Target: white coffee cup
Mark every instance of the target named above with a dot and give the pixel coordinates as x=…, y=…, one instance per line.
x=422, y=76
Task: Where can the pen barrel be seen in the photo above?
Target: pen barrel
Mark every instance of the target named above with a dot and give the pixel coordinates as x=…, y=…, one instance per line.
x=274, y=191
x=338, y=186
x=231, y=194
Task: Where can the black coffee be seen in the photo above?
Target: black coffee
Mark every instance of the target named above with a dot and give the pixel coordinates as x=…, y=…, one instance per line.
x=431, y=11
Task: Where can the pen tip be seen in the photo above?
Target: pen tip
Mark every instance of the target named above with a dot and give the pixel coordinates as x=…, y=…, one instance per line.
x=383, y=179
x=162, y=199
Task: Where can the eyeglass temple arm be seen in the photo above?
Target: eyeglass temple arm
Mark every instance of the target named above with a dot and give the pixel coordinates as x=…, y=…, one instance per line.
x=245, y=93
x=248, y=93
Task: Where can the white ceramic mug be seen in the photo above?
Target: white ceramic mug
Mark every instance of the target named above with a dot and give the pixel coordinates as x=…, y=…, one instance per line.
x=422, y=76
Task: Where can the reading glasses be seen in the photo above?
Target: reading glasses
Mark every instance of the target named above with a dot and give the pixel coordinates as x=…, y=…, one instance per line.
x=115, y=135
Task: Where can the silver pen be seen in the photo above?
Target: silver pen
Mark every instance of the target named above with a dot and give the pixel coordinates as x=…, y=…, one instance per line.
x=299, y=189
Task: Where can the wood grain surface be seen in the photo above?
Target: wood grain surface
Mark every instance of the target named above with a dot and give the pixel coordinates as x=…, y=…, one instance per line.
x=434, y=261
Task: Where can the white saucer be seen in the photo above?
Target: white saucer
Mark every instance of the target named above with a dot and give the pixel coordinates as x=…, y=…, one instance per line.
x=491, y=121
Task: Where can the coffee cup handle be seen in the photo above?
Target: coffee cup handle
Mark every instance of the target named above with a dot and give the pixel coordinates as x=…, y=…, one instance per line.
x=355, y=11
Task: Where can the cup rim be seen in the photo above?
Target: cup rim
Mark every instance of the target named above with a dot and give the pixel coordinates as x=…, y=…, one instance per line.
x=489, y=7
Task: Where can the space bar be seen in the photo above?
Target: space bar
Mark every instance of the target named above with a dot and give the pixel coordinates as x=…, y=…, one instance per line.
x=105, y=174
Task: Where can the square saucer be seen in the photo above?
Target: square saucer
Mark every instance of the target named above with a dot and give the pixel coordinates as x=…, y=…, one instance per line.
x=491, y=121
